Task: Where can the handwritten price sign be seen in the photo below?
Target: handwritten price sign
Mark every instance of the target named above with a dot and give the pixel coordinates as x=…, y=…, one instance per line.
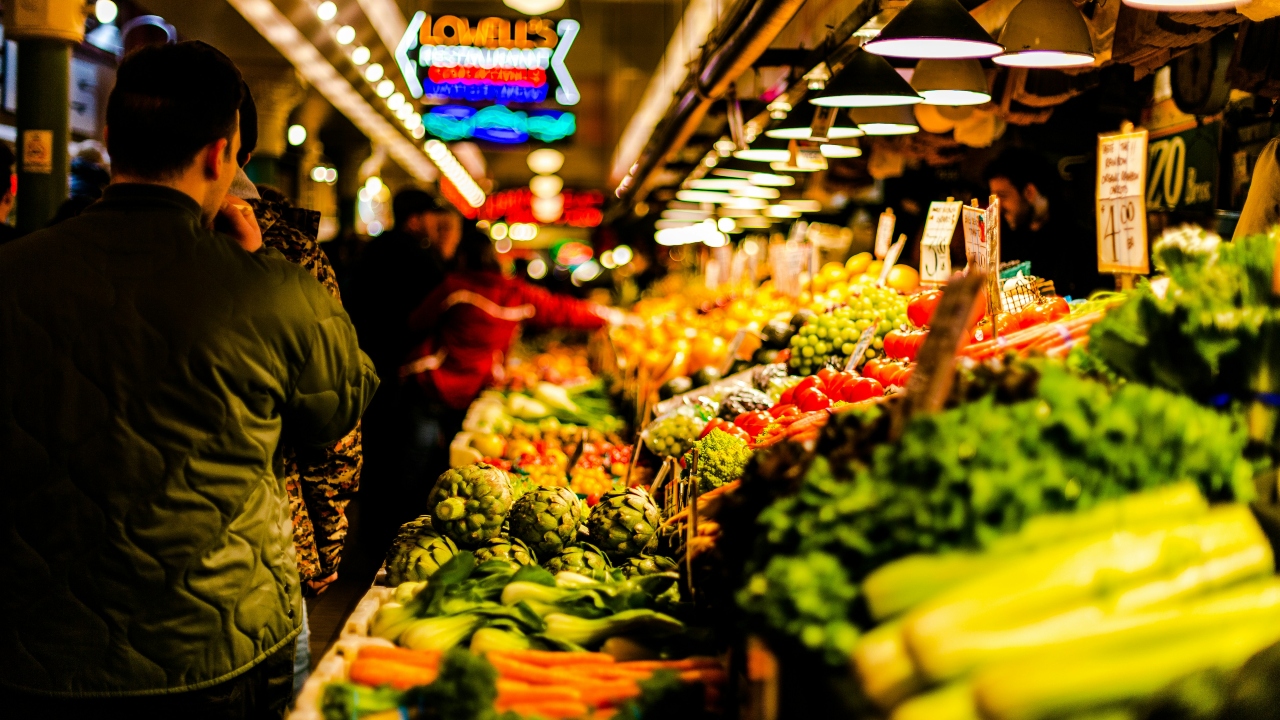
x=935, y=244
x=1122, y=213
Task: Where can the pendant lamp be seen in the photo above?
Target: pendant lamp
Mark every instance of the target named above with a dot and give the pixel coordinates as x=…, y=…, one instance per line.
x=866, y=81
x=951, y=82
x=934, y=29
x=766, y=150
x=1184, y=5
x=833, y=151
x=886, y=120
x=798, y=121
x=1045, y=34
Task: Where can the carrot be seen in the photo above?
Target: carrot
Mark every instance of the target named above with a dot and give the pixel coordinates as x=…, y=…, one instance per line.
x=705, y=675
x=693, y=663
x=375, y=672
x=611, y=693
x=547, y=658
x=552, y=710
x=612, y=672
x=516, y=670
x=603, y=713
x=510, y=692
x=420, y=658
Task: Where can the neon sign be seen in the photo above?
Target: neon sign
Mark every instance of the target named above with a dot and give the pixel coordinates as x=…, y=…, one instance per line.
x=498, y=60
x=582, y=208
x=498, y=124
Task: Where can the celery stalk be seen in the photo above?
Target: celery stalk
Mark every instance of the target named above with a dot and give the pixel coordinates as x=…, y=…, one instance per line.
x=901, y=585
x=1051, y=581
x=884, y=667
x=949, y=702
x=1088, y=677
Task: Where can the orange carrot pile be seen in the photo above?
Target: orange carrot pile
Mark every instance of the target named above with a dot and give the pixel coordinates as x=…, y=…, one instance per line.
x=553, y=685
x=1048, y=338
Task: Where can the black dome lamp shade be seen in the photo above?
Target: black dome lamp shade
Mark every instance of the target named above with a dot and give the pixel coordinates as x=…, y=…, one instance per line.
x=798, y=121
x=766, y=149
x=938, y=29
x=867, y=80
x=886, y=121
x=1045, y=34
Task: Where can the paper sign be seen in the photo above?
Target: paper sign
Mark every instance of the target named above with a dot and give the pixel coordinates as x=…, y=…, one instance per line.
x=974, y=221
x=1122, y=214
x=788, y=263
x=982, y=247
x=890, y=259
x=859, y=353
x=884, y=233
x=37, y=151
x=935, y=244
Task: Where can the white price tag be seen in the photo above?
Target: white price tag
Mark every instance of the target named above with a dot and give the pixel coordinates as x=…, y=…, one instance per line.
x=884, y=233
x=889, y=260
x=935, y=244
x=1122, y=212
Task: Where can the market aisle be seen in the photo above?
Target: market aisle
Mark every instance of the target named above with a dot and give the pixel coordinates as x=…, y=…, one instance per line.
x=327, y=612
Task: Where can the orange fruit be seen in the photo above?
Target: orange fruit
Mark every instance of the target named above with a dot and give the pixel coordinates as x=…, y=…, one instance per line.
x=857, y=264
x=904, y=279
x=874, y=268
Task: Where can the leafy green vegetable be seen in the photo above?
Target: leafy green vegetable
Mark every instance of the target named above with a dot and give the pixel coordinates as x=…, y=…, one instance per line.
x=808, y=597
x=721, y=458
x=666, y=696
x=591, y=632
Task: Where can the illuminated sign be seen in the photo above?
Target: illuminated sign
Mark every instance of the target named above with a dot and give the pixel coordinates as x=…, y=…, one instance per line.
x=582, y=208
x=498, y=60
x=499, y=124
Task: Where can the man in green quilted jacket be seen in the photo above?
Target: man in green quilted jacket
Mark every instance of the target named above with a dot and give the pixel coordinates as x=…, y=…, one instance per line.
x=150, y=368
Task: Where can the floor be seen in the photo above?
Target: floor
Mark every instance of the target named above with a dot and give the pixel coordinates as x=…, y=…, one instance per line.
x=327, y=612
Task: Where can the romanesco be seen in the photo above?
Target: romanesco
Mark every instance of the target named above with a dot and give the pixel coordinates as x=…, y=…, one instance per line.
x=721, y=458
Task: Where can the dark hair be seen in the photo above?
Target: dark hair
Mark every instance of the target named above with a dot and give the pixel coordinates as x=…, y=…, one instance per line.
x=1023, y=167
x=248, y=127
x=413, y=201
x=168, y=103
x=6, y=168
x=476, y=252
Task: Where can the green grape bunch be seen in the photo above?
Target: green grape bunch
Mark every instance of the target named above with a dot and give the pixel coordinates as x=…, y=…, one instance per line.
x=832, y=337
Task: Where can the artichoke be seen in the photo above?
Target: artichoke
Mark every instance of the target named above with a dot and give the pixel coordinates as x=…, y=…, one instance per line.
x=500, y=548
x=547, y=520
x=469, y=504
x=584, y=559
x=417, y=557
x=625, y=523
x=642, y=565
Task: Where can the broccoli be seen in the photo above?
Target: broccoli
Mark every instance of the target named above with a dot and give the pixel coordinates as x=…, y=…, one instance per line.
x=721, y=458
x=808, y=597
x=465, y=690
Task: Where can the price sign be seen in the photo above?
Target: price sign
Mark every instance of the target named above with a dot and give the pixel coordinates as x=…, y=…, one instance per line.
x=1122, y=215
x=982, y=247
x=889, y=260
x=884, y=232
x=935, y=244
x=859, y=353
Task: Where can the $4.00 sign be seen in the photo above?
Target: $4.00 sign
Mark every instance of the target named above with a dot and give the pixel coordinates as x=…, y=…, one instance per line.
x=1122, y=213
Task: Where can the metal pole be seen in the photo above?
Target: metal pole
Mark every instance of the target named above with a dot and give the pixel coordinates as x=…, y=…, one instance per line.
x=44, y=76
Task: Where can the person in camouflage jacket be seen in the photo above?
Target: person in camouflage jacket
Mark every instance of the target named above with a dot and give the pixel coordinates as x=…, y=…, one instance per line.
x=320, y=484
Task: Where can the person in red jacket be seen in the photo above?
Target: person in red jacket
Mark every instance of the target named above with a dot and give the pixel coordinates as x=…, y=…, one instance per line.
x=468, y=324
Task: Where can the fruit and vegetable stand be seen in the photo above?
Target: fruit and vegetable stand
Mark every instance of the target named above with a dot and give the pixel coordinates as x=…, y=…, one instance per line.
x=862, y=501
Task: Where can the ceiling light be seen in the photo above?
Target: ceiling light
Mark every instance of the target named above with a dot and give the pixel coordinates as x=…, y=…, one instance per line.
x=771, y=180
x=326, y=11
x=545, y=161
x=786, y=167
x=534, y=7
x=418, y=131
x=404, y=111
x=754, y=223
x=670, y=224
x=866, y=81
x=751, y=191
x=934, y=29
x=830, y=150
x=685, y=215
x=537, y=268
x=296, y=135
x=345, y=35
x=739, y=212
x=1053, y=34
x=703, y=196
x=716, y=183
x=885, y=121
x=726, y=225
x=373, y=73
x=360, y=56
x=545, y=186
x=384, y=88
x=797, y=123
x=622, y=255
x=105, y=11
x=413, y=122
x=1183, y=5
x=453, y=170
x=498, y=231
x=781, y=211
x=951, y=82
x=395, y=101
x=766, y=150
x=746, y=203
x=803, y=205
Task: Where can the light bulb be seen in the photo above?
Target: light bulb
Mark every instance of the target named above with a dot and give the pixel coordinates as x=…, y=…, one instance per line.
x=326, y=10
x=296, y=135
x=106, y=11
x=373, y=73
x=360, y=56
x=345, y=35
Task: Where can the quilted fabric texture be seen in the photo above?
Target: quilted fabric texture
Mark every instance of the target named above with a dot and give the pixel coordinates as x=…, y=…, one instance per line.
x=148, y=370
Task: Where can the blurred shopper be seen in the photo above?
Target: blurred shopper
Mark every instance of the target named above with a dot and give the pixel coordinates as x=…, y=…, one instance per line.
x=1037, y=228
x=7, y=231
x=320, y=482
x=1261, y=211
x=399, y=269
x=89, y=177
x=469, y=323
x=150, y=370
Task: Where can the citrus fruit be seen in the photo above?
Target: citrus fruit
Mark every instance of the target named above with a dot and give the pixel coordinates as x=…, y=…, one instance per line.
x=857, y=264
x=904, y=279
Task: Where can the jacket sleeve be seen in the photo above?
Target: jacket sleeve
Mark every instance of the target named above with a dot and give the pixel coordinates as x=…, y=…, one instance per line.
x=335, y=383
x=427, y=316
x=329, y=479
x=552, y=310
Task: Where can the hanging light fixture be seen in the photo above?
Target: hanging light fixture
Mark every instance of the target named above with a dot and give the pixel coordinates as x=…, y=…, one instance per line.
x=885, y=121
x=1184, y=5
x=866, y=81
x=934, y=29
x=1049, y=34
x=951, y=82
x=798, y=121
x=832, y=150
x=766, y=150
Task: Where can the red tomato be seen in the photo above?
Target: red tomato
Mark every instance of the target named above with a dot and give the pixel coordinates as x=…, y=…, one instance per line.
x=714, y=424
x=783, y=410
x=893, y=344
x=1058, y=308
x=877, y=390
x=786, y=397
x=805, y=384
x=735, y=431
x=1005, y=323
x=753, y=422
x=914, y=342
x=860, y=389
x=871, y=368
x=783, y=355
x=812, y=399
x=824, y=377
x=920, y=308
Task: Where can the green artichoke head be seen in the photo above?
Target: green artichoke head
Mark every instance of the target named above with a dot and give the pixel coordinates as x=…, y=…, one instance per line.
x=501, y=548
x=469, y=504
x=642, y=565
x=547, y=520
x=625, y=523
x=417, y=553
x=584, y=559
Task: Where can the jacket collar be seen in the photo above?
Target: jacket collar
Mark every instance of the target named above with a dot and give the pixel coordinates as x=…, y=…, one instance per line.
x=146, y=195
